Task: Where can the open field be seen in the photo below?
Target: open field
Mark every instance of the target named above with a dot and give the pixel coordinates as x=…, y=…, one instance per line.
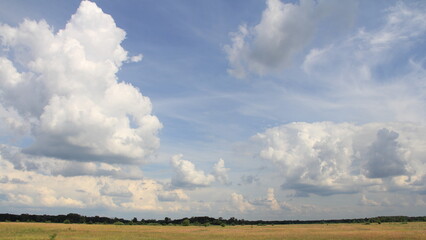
x=44, y=231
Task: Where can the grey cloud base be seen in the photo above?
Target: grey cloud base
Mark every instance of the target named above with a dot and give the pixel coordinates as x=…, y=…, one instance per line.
x=384, y=157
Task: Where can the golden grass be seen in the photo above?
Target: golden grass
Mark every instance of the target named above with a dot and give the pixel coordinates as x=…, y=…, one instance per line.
x=32, y=231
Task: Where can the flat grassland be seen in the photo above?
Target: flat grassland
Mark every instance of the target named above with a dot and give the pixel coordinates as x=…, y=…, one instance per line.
x=16, y=231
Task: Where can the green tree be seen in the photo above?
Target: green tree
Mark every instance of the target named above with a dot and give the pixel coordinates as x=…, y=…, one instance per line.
x=185, y=222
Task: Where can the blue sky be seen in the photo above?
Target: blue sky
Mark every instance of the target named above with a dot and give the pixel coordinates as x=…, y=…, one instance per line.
x=252, y=109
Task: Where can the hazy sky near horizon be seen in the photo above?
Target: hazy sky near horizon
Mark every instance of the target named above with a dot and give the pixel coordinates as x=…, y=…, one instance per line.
x=252, y=109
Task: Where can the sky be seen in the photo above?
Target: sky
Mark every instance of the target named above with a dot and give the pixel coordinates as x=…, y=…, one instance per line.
x=249, y=109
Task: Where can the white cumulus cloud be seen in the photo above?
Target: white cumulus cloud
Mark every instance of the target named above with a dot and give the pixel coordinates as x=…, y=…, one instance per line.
x=326, y=158
x=66, y=94
x=221, y=172
x=186, y=175
x=239, y=202
x=284, y=30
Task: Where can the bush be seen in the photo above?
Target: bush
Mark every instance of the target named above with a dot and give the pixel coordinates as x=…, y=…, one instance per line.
x=67, y=221
x=53, y=236
x=186, y=222
x=222, y=225
x=118, y=223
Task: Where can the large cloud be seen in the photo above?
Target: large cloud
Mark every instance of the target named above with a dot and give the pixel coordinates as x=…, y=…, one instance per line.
x=284, y=30
x=33, y=189
x=327, y=158
x=62, y=90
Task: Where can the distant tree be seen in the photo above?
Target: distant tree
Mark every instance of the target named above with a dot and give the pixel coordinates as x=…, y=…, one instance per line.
x=134, y=220
x=185, y=222
x=167, y=220
x=75, y=218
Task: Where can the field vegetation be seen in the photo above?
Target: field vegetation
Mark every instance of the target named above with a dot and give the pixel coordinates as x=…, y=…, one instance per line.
x=58, y=231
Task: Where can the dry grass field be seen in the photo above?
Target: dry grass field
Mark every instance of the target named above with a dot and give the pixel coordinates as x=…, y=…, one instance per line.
x=44, y=231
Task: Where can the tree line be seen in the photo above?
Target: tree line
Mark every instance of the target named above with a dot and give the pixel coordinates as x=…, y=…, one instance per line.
x=199, y=221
